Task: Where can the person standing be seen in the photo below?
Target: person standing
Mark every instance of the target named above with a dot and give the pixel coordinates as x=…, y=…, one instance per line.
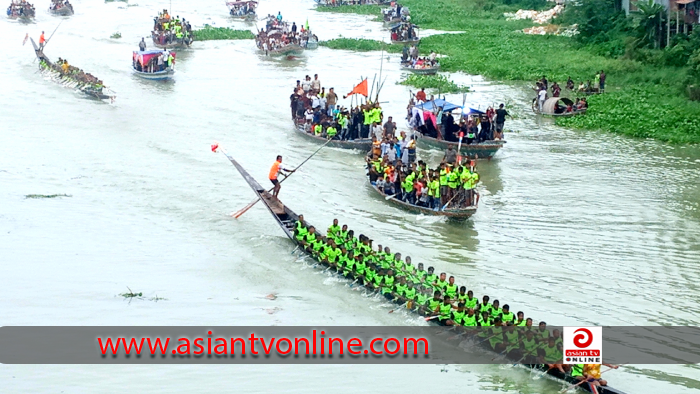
x=500, y=121
x=390, y=128
x=142, y=44
x=541, y=98
x=331, y=99
x=294, y=27
x=602, y=81
x=316, y=84
x=275, y=170
x=42, y=41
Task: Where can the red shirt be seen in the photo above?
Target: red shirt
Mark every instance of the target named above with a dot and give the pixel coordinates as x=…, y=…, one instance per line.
x=421, y=96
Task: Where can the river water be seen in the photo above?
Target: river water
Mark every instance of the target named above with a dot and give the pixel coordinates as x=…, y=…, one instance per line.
x=573, y=227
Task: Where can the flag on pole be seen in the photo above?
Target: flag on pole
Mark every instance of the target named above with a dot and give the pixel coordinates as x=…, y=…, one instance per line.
x=361, y=88
x=214, y=147
x=307, y=24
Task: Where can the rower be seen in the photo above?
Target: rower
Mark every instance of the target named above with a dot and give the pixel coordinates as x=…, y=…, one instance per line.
x=451, y=288
x=300, y=228
x=529, y=347
x=275, y=170
x=543, y=332
x=445, y=310
x=471, y=301
x=553, y=355
x=42, y=41
x=430, y=277
x=507, y=315
x=441, y=283
x=334, y=229
x=433, y=303
x=458, y=315
x=388, y=285
x=521, y=319
x=484, y=306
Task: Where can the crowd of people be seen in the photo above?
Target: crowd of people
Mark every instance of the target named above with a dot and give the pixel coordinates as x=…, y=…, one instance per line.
x=21, y=9
x=404, y=32
x=337, y=3
x=278, y=34
x=318, y=112
x=56, y=5
x=168, y=30
x=440, y=124
x=542, y=89
x=410, y=58
x=451, y=185
x=396, y=13
x=438, y=298
x=85, y=80
x=242, y=8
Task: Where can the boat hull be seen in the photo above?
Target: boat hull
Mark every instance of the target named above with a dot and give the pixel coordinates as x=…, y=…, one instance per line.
x=245, y=18
x=363, y=145
x=421, y=71
x=63, y=11
x=454, y=214
x=155, y=76
x=172, y=45
x=414, y=41
x=289, y=50
x=482, y=150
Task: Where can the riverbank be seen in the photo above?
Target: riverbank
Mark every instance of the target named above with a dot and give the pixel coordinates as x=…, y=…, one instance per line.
x=641, y=100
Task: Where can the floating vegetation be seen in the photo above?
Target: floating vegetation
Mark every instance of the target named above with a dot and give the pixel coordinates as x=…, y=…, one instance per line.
x=438, y=83
x=156, y=298
x=116, y=35
x=361, y=9
x=354, y=44
x=46, y=195
x=222, y=33
x=131, y=294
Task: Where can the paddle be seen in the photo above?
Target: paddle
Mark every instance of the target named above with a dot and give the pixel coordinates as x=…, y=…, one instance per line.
x=459, y=147
x=390, y=197
x=243, y=210
x=406, y=303
x=586, y=381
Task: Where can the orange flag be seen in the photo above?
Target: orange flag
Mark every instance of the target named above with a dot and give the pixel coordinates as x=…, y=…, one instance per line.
x=361, y=88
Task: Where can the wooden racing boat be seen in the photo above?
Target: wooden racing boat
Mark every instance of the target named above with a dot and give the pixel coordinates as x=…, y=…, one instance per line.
x=361, y=144
x=481, y=150
x=286, y=219
x=454, y=214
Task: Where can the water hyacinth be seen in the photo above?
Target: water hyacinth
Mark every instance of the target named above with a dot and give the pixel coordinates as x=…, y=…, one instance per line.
x=435, y=83
x=221, y=33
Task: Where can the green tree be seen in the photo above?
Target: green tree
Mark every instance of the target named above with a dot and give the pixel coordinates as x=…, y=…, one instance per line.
x=649, y=31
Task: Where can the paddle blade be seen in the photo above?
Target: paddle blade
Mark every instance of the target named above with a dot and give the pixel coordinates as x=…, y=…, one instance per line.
x=243, y=210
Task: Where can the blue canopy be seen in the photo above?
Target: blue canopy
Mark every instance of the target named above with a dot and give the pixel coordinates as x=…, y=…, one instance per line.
x=435, y=104
x=473, y=111
x=149, y=52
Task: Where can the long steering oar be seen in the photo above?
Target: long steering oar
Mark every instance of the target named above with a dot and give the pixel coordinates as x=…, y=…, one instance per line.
x=243, y=210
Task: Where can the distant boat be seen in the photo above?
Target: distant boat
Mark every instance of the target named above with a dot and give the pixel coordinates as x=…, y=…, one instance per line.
x=145, y=65
x=61, y=8
x=243, y=10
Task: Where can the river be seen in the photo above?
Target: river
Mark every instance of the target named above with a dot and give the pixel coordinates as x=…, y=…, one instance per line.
x=574, y=227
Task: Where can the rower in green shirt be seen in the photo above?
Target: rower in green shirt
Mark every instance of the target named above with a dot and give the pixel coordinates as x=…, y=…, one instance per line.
x=458, y=315
x=471, y=301
x=398, y=264
x=432, y=304
x=445, y=311
x=441, y=283
x=484, y=306
x=300, y=228
x=495, y=309
x=410, y=293
x=470, y=319
x=334, y=229
x=529, y=347
x=430, y=278
x=388, y=285
x=542, y=330
x=521, y=320
x=507, y=315
x=451, y=288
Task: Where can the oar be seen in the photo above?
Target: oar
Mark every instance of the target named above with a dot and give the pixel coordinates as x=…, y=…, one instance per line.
x=585, y=380
x=459, y=147
x=432, y=317
x=401, y=307
x=240, y=212
x=390, y=197
x=448, y=203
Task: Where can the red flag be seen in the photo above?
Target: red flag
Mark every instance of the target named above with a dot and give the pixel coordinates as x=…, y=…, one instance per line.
x=361, y=88
x=214, y=147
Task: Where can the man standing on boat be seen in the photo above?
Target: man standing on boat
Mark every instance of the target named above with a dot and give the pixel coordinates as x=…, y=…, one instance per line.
x=42, y=41
x=275, y=170
x=500, y=121
x=142, y=45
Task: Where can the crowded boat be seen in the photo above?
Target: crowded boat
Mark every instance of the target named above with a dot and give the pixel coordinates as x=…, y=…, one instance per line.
x=393, y=170
x=280, y=38
x=21, y=10
x=154, y=64
x=337, y=3
x=171, y=32
x=61, y=7
x=73, y=77
x=427, y=65
x=396, y=14
x=404, y=32
x=548, y=99
x=242, y=9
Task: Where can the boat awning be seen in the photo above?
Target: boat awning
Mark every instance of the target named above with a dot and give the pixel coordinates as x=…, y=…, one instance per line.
x=145, y=56
x=239, y=3
x=550, y=105
x=684, y=1
x=437, y=103
x=474, y=112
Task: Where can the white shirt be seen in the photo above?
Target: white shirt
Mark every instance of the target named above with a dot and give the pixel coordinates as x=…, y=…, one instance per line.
x=378, y=131
x=316, y=84
x=322, y=101
x=542, y=94
x=309, y=114
x=306, y=85
x=315, y=102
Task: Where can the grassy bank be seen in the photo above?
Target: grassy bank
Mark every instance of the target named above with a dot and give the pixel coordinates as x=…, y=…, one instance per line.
x=642, y=100
x=359, y=44
x=221, y=33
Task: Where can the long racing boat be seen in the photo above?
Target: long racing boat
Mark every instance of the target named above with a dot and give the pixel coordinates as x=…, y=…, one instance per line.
x=286, y=219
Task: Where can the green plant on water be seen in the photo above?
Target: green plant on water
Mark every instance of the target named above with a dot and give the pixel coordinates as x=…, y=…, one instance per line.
x=131, y=294
x=221, y=33
x=435, y=83
x=116, y=35
x=46, y=195
x=354, y=44
x=363, y=9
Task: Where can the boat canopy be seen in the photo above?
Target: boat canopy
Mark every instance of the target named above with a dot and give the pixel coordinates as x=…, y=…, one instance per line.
x=145, y=56
x=551, y=105
x=474, y=112
x=239, y=3
x=437, y=103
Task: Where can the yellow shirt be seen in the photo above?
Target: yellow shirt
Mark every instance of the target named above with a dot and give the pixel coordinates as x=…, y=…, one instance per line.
x=592, y=370
x=64, y=66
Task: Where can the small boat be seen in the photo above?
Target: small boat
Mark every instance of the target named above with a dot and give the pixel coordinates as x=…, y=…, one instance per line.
x=23, y=12
x=145, y=65
x=61, y=8
x=71, y=81
x=557, y=107
x=404, y=33
x=311, y=42
x=362, y=144
x=421, y=71
x=277, y=40
x=170, y=32
x=286, y=219
x=481, y=150
x=394, y=15
x=243, y=10
x=160, y=42
x=450, y=213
